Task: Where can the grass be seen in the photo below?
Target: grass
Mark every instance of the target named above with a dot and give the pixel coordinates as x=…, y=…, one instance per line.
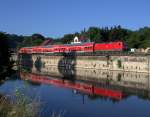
x=22, y=106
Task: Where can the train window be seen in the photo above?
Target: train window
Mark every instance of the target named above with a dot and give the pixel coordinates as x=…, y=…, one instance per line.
x=119, y=44
x=89, y=47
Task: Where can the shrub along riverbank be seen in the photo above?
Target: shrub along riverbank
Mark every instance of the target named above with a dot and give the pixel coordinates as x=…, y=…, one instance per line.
x=5, y=62
x=22, y=106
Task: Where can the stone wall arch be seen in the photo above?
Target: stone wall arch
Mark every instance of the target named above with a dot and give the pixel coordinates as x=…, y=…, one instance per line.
x=147, y=50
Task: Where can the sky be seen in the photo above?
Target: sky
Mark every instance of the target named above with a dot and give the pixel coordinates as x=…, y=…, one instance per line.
x=54, y=18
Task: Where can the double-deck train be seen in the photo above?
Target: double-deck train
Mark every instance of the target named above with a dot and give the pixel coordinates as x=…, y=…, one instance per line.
x=77, y=47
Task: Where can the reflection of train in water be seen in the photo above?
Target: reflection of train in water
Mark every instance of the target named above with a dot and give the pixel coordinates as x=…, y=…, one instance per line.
x=76, y=47
x=77, y=85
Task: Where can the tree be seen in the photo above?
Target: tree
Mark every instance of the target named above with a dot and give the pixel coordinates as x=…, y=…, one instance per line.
x=117, y=33
x=139, y=38
x=34, y=40
x=4, y=53
x=94, y=34
x=37, y=36
x=67, y=38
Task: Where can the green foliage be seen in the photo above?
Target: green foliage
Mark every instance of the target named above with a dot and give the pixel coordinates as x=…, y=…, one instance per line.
x=22, y=106
x=5, y=62
x=139, y=38
x=38, y=36
x=119, y=63
x=119, y=77
x=118, y=33
x=67, y=38
x=96, y=34
x=134, y=39
x=34, y=40
x=14, y=40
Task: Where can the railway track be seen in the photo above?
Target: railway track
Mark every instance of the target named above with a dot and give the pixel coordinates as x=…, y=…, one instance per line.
x=101, y=53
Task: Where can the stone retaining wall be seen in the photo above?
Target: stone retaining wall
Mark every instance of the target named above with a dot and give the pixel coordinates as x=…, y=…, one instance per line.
x=121, y=63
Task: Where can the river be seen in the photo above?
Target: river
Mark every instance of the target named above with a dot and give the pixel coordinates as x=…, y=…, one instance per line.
x=82, y=93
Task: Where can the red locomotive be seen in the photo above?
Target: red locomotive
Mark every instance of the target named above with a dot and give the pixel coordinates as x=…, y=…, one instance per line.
x=78, y=47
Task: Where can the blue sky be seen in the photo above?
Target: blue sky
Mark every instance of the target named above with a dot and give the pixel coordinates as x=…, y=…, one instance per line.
x=54, y=18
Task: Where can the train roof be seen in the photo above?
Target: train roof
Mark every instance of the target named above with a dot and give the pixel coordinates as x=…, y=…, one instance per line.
x=78, y=44
x=75, y=44
x=27, y=47
x=47, y=46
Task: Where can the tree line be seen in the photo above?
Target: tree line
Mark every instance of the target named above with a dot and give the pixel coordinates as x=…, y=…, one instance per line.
x=134, y=39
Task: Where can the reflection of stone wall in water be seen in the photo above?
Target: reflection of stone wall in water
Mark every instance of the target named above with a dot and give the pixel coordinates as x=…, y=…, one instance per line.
x=128, y=82
x=120, y=78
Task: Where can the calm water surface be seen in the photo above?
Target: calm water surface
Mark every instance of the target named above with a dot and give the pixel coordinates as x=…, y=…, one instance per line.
x=73, y=101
